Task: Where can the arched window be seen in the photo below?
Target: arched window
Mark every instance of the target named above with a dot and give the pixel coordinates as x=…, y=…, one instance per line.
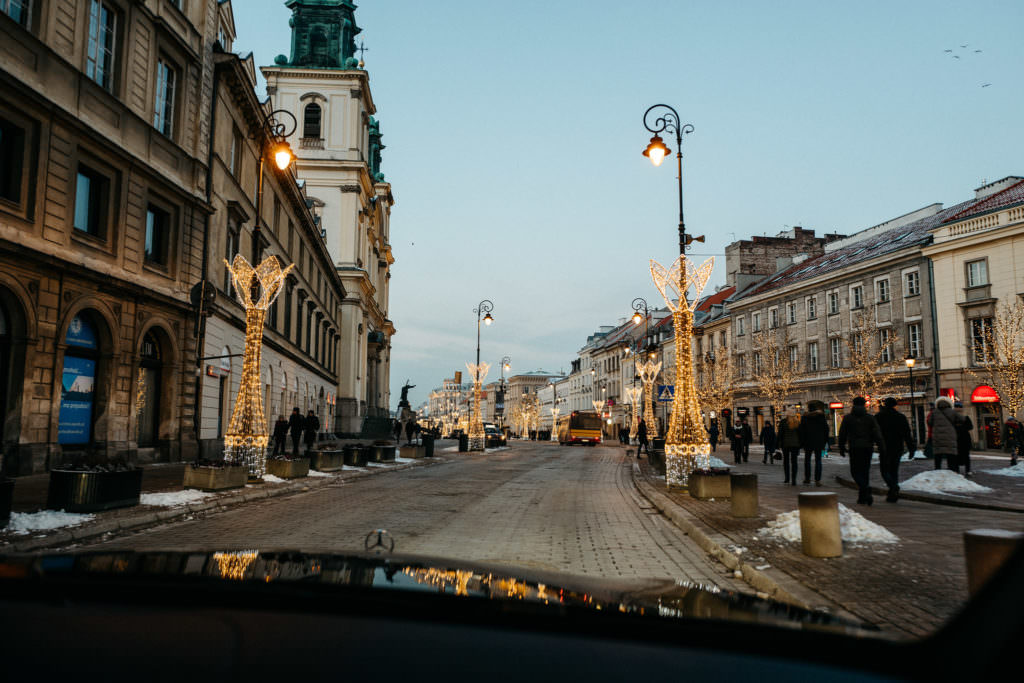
x=311, y=121
x=78, y=382
x=147, y=391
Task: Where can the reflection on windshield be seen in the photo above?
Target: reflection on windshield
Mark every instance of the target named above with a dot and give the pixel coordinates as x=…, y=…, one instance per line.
x=233, y=565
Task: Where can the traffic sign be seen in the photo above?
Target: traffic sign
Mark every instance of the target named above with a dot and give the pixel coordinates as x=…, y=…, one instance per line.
x=666, y=392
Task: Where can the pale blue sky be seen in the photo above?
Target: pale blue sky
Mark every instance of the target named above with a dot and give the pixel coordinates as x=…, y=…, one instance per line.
x=514, y=132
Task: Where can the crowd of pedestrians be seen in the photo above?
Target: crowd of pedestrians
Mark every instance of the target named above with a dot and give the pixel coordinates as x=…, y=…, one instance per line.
x=297, y=426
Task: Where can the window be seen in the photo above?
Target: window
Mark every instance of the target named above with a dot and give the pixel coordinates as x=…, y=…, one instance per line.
x=835, y=351
x=721, y=339
x=99, y=61
x=833, y=303
x=287, y=314
x=92, y=190
x=773, y=318
x=12, y=151
x=884, y=346
x=18, y=10
x=741, y=365
x=914, y=340
x=913, y=283
x=981, y=340
x=158, y=229
x=977, y=273
x=740, y=327
x=163, y=108
x=858, y=342
x=235, y=161
x=757, y=362
x=812, y=308
x=230, y=249
x=857, y=297
x=791, y=312
x=311, y=121
x=756, y=321
x=793, y=355
x=812, y=355
x=882, y=289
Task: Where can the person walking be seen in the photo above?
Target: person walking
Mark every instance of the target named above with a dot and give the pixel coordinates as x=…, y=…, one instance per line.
x=860, y=430
x=641, y=438
x=736, y=442
x=1012, y=436
x=295, y=425
x=409, y=427
x=748, y=438
x=943, y=425
x=813, y=439
x=713, y=435
x=963, y=440
x=768, y=439
x=789, y=441
x=280, y=437
x=397, y=430
x=311, y=426
x=896, y=433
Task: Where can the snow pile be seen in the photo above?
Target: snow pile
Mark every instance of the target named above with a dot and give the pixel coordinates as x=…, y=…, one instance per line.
x=401, y=459
x=170, y=499
x=45, y=520
x=318, y=473
x=716, y=462
x=377, y=464
x=272, y=479
x=853, y=528
x=495, y=450
x=1015, y=471
x=352, y=467
x=942, y=481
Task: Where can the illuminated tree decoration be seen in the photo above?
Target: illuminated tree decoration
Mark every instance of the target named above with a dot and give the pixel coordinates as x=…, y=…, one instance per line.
x=477, y=436
x=686, y=444
x=648, y=371
x=246, y=437
x=999, y=352
x=633, y=396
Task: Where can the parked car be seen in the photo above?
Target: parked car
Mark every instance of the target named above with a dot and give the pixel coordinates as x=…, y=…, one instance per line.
x=493, y=436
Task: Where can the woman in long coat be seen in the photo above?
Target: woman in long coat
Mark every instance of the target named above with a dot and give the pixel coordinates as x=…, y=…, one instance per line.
x=943, y=424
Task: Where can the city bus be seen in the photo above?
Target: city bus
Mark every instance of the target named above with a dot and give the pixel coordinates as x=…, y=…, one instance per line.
x=579, y=427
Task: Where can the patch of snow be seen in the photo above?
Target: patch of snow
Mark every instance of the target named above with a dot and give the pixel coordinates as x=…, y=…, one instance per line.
x=272, y=479
x=716, y=462
x=351, y=467
x=318, y=473
x=853, y=528
x=451, y=449
x=398, y=459
x=495, y=450
x=45, y=520
x=1015, y=471
x=170, y=499
x=377, y=464
x=942, y=481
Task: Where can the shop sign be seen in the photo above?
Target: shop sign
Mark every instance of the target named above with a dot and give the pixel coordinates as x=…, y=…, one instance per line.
x=984, y=394
x=836, y=405
x=743, y=411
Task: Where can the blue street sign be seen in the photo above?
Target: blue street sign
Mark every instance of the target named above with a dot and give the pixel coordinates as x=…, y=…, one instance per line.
x=666, y=392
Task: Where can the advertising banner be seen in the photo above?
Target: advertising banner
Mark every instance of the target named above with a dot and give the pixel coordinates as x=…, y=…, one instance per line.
x=77, y=384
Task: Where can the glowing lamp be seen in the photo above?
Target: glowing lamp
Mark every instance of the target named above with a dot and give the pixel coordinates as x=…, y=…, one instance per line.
x=656, y=151
x=637, y=318
x=488, y=319
x=283, y=156
x=910, y=360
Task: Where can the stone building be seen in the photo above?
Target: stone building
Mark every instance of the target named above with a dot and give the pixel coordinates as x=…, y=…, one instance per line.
x=750, y=261
x=338, y=144
x=104, y=131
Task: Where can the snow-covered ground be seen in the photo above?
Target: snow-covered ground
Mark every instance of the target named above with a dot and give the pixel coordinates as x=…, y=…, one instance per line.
x=1015, y=471
x=272, y=479
x=401, y=459
x=169, y=499
x=451, y=449
x=45, y=520
x=377, y=464
x=853, y=528
x=942, y=481
x=318, y=473
x=716, y=462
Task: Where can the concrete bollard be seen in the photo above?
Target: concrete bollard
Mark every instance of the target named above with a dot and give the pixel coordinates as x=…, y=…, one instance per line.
x=985, y=551
x=744, y=495
x=819, y=524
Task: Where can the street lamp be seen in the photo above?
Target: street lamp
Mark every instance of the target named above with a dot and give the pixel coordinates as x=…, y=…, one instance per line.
x=476, y=429
x=506, y=365
x=272, y=141
x=910, y=360
x=657, y=151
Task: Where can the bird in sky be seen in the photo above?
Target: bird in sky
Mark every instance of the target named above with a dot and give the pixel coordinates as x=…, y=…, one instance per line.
x=985, y=85
x=964, y=46
x=977, y=51
x=956, y=56
x=947, y=50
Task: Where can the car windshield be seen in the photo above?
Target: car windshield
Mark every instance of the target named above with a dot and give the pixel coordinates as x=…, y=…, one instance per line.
x=282, y=276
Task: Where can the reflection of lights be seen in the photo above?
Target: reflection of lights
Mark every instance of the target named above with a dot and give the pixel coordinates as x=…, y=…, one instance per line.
x=442, y=579
x=233, y=565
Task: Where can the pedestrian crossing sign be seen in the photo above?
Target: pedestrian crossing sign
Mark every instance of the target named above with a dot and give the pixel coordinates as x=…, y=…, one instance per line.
x=666, y=392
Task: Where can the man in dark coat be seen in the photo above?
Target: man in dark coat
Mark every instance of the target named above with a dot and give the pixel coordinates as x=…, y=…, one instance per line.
x=860, y=430
x=736, y=441
x=641, y=438
x=943, y=425
x=896, y=433
x=1012, y=438
x=769, y=440
x=295, y=426
x=748, y=438
x=813, y=438
x=398, y=430
x=713, y=435
x=409, y=430
x=963, y=440
x=280, y=437
x=312, y=428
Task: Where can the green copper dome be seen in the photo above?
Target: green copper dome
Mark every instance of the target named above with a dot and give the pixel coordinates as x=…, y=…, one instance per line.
x=323, y=34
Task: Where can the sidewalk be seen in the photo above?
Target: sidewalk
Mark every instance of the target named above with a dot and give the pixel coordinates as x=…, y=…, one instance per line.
x=30, y=496
x=908, y=589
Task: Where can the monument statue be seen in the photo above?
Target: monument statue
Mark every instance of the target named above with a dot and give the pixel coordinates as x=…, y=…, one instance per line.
x=404, y=401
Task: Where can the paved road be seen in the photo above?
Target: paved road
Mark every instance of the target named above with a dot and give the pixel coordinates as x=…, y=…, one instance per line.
x=534, y=505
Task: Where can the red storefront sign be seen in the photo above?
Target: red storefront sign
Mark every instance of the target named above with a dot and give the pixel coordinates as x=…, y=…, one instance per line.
x=984, y=394
x=836, y=405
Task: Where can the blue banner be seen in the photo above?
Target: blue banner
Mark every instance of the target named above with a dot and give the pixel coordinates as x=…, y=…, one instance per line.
x=74, y=425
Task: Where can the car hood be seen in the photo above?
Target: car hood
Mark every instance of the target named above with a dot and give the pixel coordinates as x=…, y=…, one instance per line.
x=653, y=598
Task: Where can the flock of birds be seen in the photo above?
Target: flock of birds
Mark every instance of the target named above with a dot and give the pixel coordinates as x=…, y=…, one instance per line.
x=952, y=54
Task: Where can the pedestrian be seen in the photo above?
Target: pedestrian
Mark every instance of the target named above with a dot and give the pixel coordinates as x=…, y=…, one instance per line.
x=928, y=450
x=963, y=440
x=789, y=441
x=1012, y=436
x=813, y=439
x=943, y=425
x=768, y=439
x=280, y=437
x=736, y=442
x=896, y=433
x=860, y=430
x=713, y=435
x=398, y=430
x=408, y=432
x=295, y=425
x=641, y=438
x=416, y=429
x=311, y=426
x=748, y=438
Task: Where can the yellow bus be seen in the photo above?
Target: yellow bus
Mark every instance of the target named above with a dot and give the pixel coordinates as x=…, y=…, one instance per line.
x=579, y=427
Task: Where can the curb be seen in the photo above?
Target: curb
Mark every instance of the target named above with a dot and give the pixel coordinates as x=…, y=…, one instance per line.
x=934, y=499
x=222, y=503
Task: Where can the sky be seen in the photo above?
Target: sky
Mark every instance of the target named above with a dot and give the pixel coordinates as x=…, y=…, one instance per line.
x=514, y=134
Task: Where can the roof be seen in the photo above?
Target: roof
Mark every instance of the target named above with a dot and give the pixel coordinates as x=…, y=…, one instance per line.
x=1011, y=196
x=718, y=297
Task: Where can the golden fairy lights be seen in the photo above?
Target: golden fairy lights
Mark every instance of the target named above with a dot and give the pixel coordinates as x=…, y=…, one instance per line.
x=477, y=436
x=686, y=444
x=233, y=565
x=633, y=396
x=246, y=437
x=648, y=371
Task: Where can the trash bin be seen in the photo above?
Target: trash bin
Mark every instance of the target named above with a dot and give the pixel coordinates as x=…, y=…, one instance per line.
x=658, y=444
x=463, y=443
x=428, y=445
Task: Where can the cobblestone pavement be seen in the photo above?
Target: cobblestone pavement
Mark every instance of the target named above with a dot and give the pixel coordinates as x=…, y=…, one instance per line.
x=534, y=505
x=907, y=589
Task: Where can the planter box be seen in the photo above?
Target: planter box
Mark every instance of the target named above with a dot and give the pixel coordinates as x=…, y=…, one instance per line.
x=383, y=453
x=354, y=456
x=215, y=478
x=6, y=498
x=657, y=461
x=413, y=451
x=288, y=469
x=327, y=461
x=73, y=491
x=705, y=486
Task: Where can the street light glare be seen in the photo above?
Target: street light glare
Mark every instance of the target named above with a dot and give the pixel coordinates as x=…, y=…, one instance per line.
x=283, y=156
x=488, y=319
x=637, y=318
x=656, y=151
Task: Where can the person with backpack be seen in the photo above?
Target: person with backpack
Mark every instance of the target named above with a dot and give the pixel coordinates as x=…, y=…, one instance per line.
x=860, y=431
x=942, y=423
x=813, y=438
x=895, y=432
x=789, y=441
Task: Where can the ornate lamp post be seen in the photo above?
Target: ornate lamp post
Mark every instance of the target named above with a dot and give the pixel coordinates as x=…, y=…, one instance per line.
x=910, y=360
x=277, y=127
x=506, y=365
x=686, y=445
x=476, y=422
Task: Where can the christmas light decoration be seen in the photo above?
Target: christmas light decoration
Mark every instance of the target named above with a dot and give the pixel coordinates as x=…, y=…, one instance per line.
x=648, y=371
x=633, y=396
x=554, y=424
x=477, y=436
x=246, y=437
x=233, y=565
x=686, y=444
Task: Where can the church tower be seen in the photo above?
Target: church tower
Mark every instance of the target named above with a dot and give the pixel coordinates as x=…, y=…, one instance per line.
x=338, y=146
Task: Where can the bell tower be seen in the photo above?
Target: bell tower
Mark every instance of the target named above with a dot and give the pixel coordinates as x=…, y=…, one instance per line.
x=323, y=34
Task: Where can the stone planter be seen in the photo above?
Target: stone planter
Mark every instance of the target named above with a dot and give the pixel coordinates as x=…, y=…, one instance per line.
x=91, y=491
x=383, y=453
x=288, y=469
x=327, y=461
x=354, y=456
x=215, y=478
x=6, y=499
x=704, y=486
x=413, y=451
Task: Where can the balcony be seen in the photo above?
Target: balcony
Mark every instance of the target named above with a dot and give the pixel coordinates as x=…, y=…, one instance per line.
x=311, y=143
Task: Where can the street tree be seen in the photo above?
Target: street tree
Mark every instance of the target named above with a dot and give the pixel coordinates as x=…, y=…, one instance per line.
x=775, y=367
x=997, y=345
x=871, y=350
x=717, y=381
